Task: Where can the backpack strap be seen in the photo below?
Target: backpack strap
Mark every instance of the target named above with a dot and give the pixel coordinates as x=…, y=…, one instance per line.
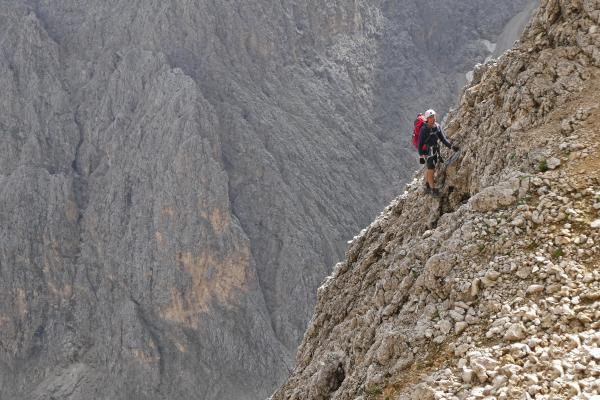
x=437, y=130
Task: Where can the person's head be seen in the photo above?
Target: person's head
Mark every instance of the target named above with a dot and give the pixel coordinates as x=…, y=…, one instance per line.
x=430, y=115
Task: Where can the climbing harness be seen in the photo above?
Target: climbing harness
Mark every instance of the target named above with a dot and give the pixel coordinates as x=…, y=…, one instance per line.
x=435, y=150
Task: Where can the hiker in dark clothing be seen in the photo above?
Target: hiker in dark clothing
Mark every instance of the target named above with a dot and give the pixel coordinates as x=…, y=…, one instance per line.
x=428, y=137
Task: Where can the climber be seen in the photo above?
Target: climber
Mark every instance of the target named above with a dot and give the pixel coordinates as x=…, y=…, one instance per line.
x=429, y=150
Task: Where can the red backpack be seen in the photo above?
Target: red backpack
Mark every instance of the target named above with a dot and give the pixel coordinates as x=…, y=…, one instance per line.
x=418, y=123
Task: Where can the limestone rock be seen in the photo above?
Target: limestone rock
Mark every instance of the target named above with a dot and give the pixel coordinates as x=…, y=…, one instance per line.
x=487, y=282
x=328, y=377
x=440, y=264
x=445, y=327
x=561, y=240
x=475, y=287
x=422, y=392
x=460, y=327
x=535, y=289
x=492, y=275
x=467, y=375
x=492, y=199
x=524, y=272
x=462, y=349
x=553, y=163
x=515, y=332
x=457, y=316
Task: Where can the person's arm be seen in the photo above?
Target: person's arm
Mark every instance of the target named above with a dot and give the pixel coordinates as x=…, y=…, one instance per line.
x=442, y=137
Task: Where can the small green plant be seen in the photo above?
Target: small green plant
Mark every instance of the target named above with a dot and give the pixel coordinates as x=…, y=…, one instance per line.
x=476, y=303
x=481, y=247
x=513, y=155
x=553, y=100
x=533, y=245
x=375, y=391
x=437, y=314
x=544, y=166
x=415, y=274
x=566, y=217
x=558, y=252
x=580, y=224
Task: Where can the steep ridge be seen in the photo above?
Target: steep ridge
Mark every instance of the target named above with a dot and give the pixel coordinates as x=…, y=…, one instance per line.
x=492, y=291
x=176, y=178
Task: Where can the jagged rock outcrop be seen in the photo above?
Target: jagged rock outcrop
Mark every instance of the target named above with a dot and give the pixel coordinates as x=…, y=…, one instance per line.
x=492, y=291
x=177, y=178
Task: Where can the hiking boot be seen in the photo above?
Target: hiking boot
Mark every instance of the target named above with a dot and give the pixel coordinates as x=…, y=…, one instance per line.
x=435, y=192
x=427, y=189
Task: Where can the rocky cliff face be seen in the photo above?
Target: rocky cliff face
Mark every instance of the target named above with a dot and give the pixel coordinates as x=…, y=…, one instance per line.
x=492, y=291
x=177, y=178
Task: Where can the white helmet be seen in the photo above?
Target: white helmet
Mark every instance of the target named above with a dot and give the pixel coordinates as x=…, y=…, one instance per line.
x=429, y=113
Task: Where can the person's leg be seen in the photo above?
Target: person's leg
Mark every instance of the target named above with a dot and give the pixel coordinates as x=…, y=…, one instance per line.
x=429, y=177
x=427, y=189
x=431, y=162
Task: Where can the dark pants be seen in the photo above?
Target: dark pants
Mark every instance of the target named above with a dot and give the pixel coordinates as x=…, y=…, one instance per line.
x=432, y=161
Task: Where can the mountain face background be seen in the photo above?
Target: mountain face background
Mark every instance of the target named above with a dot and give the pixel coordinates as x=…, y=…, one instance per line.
x=176, y=178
